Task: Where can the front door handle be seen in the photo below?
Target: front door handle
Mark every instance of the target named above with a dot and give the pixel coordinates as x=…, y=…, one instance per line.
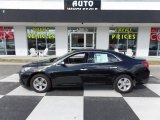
x=113, y=67
x=83, y=69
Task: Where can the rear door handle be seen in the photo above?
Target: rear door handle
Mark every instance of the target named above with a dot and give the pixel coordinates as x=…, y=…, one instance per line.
x=83, y=69
x=113, y=67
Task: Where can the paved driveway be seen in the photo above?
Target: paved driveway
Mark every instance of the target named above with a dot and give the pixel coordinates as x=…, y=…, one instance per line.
x=88, y=103
x=6, y=70
x=155, y=71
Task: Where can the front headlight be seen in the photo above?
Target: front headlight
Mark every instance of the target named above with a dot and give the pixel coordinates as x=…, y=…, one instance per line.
x=24, y=69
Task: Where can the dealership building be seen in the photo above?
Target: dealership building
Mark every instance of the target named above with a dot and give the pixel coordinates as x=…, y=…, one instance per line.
x=66, y=25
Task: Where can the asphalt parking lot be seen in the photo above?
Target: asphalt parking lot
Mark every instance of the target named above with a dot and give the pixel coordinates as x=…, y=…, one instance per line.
x=7, y=70
x=88, y=103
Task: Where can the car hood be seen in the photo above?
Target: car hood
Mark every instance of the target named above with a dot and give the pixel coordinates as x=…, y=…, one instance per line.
x=40, y=63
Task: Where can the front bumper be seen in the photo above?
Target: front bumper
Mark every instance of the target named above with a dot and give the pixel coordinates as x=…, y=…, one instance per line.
x=24, y=78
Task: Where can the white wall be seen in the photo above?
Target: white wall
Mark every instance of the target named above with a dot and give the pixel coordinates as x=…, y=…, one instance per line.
x=59, y=4
x=129, y=5
x=102, y=40
x=61, y=40
x=32, y=4
x=143, y=41
x=21, y=47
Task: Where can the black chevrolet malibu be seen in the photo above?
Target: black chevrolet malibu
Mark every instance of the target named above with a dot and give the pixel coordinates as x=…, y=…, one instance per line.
x=81, y=67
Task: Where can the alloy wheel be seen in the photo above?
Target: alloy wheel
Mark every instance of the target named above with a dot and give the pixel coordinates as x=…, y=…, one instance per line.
x=40, y=83
x=124, y=84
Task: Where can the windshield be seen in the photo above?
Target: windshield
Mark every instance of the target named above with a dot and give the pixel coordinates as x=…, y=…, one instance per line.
x=63, y=56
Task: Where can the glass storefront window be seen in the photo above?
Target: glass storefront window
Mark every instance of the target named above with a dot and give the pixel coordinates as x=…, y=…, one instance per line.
x=7, y=45
x=41, y=38
x=81, y=38
x=123, y=38
x=154, y=47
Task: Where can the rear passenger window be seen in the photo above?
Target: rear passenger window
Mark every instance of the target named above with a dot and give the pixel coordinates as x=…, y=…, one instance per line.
x=112, y=58
x=104, y=58
x=100, y=58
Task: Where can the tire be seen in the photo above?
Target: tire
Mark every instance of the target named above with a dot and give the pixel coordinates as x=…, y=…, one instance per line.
x=123, y=84
x=40, y=83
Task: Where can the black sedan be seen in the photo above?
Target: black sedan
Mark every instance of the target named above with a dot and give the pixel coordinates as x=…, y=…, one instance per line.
x=81, y=67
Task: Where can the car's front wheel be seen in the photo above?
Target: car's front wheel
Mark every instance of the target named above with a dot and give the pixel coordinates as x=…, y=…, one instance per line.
x=123, y=84
x=40, y=83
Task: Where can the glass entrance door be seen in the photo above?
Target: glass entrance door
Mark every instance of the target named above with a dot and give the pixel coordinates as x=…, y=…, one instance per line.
x=81, y=40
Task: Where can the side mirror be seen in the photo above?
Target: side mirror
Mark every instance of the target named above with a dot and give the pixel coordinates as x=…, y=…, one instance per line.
x=62, y=63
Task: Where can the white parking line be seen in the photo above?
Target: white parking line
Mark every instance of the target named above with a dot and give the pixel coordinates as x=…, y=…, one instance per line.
x=154, y=87
x=145, y=108
x=11, y=78
x=1, y=96
x=25, y=92
x=58, y=108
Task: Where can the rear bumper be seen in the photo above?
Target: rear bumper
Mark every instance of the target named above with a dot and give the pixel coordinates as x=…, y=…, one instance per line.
x=144, y=81
x=143, y=77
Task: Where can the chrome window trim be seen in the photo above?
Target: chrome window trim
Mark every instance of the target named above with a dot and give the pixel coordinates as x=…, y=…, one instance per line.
x=89, y=52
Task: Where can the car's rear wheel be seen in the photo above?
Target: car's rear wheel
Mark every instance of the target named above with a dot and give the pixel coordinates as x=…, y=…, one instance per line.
x=40, y=83
x=123, y=84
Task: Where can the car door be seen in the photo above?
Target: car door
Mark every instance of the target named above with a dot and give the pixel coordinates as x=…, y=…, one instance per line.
x=68, y=70
x=102, y=68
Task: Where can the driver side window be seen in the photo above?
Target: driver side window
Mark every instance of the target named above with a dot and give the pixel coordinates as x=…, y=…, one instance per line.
x=77, y=58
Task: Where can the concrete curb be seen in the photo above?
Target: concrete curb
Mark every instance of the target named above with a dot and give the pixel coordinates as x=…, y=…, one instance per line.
x=154, y=65
x=7, y=63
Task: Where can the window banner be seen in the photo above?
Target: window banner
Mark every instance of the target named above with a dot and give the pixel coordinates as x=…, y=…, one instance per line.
x=41, y=33
x=6, y=33
x=82, y=4
x=155, y=34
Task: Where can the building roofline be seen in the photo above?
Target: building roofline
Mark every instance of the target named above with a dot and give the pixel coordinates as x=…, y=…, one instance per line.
x=63, y=16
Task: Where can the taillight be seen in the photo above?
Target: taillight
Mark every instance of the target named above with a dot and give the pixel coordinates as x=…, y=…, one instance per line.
x=145, y=64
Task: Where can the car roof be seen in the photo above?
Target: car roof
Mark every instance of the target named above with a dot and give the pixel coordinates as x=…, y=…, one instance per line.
x=92, y=50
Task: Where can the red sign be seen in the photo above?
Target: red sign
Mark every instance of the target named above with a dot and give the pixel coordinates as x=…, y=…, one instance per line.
x=155, y=34
x=154, y=30
x=6, y=28
x=7, y=36
x=6, y=33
